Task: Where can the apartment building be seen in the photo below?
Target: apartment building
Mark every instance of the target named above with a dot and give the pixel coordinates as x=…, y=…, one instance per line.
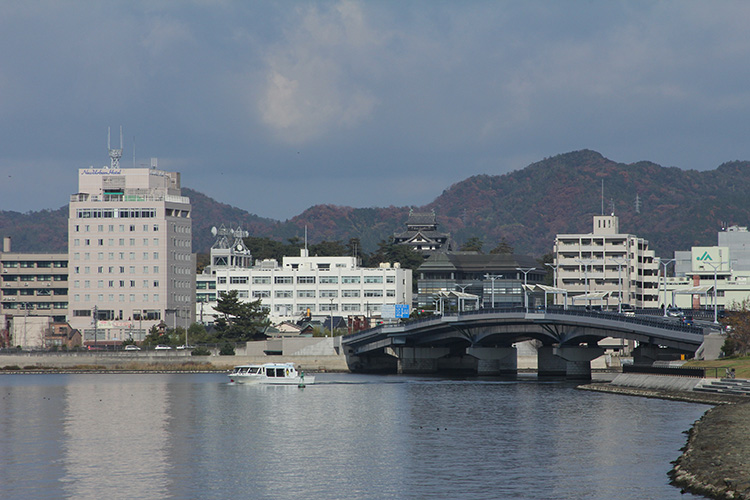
x=596, y=267
x=129, y=252
x=33, y=284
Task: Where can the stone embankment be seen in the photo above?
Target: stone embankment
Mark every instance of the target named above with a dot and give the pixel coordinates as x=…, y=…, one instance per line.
x=716, y=460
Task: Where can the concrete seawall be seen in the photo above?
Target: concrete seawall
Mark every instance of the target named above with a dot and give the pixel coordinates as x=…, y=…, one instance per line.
x=311, y=353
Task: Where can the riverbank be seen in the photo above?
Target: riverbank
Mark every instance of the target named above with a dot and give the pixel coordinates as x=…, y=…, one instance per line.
x=716, y=459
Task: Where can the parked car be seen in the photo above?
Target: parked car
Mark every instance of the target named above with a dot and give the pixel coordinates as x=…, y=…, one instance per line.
x=132, y=347
x=627, y=309
x=161, y=347
x=185, y=347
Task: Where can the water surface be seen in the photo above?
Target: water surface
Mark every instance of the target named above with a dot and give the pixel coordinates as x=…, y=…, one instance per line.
x=346, y=437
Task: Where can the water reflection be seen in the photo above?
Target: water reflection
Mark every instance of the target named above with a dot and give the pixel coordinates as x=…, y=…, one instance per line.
x=116, y=437
x=195, y=436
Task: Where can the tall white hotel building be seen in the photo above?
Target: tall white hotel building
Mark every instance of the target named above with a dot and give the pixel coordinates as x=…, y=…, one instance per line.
x=129, y=252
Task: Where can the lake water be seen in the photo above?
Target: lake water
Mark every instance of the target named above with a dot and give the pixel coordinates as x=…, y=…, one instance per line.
x=346, y=437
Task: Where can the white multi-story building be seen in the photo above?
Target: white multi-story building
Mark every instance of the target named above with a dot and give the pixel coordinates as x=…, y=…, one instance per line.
x=129, y=252
x=605, y=262
x=320, y=286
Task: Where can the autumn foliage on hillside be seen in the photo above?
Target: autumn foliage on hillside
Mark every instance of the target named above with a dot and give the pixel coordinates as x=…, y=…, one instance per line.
x=524, y=209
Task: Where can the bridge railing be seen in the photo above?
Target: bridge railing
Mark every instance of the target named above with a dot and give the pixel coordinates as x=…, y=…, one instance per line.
x=667, y=324
x=653, y=321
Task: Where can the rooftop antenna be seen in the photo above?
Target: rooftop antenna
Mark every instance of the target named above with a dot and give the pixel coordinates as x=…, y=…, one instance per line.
x=612, y=204
x=133, y=151
x=602, y=196
x=305, y=239
x=114, y=154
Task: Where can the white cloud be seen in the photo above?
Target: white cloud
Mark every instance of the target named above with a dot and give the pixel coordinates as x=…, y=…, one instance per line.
x=312, y=86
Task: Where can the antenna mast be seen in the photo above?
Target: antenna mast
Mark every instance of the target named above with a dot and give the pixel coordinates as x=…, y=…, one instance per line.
x=114, y=154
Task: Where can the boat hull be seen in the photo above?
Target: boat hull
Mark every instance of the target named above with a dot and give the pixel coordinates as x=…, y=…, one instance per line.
x=261, y=380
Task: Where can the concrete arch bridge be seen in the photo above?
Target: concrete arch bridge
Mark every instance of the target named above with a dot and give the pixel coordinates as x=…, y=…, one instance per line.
x=482, y=341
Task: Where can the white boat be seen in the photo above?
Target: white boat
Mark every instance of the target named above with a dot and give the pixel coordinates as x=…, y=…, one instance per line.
x=270, y=373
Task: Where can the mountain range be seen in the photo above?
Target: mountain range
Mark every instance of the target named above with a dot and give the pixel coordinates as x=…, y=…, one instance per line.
x=672, y=208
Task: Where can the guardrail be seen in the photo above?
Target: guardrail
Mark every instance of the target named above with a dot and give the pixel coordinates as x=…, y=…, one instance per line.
x=674, y=371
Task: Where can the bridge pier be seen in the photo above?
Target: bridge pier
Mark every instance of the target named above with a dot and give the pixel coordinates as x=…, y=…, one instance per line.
x=570, y=362
x=495, y=360
x=417, y=359
x=645, y=354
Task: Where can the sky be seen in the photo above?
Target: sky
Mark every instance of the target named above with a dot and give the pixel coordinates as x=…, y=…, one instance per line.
x=274, y=107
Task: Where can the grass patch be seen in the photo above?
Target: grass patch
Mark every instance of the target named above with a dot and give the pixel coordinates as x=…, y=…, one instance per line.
x=741, y=365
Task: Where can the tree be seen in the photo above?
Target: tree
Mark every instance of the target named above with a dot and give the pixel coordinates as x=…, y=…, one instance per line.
x=738, y=329
x=155, y=336
x=503, y=248
x=329, y=249
x=391, y=252
x=474, y=244
x=202, y=260
x=197, y=334
x=239, y=321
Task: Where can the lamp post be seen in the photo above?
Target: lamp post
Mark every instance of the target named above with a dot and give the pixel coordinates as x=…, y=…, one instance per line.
x=26, y=322
x=586, y=263
x=492, y=278
x=96, y=323
x=331, y=311
x=460, y=300
x=665, y=263
x=525, y=272
x=554, y=281
x=716, y=301
x=619, y=262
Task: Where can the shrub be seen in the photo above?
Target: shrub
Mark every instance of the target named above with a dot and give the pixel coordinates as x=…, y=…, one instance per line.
x=202, y=351
x=226, y=350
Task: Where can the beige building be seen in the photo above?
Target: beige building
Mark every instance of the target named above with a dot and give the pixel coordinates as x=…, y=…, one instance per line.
x=595, y=267
x=33, y=284
x=129, y=251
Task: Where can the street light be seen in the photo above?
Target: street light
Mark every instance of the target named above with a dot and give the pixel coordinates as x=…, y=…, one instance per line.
x=460, y=300
x=665, y=264
x=586, y=263
x=331, y=311
x=492, y=278
x=554, y=281
x=525, y=272
x=716, y=302
x=620, y=262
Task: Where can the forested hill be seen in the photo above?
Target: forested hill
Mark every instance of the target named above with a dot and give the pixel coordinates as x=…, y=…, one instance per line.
x=526, y=208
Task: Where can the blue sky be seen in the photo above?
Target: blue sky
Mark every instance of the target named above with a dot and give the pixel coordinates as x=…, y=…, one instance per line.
x=277, y=106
